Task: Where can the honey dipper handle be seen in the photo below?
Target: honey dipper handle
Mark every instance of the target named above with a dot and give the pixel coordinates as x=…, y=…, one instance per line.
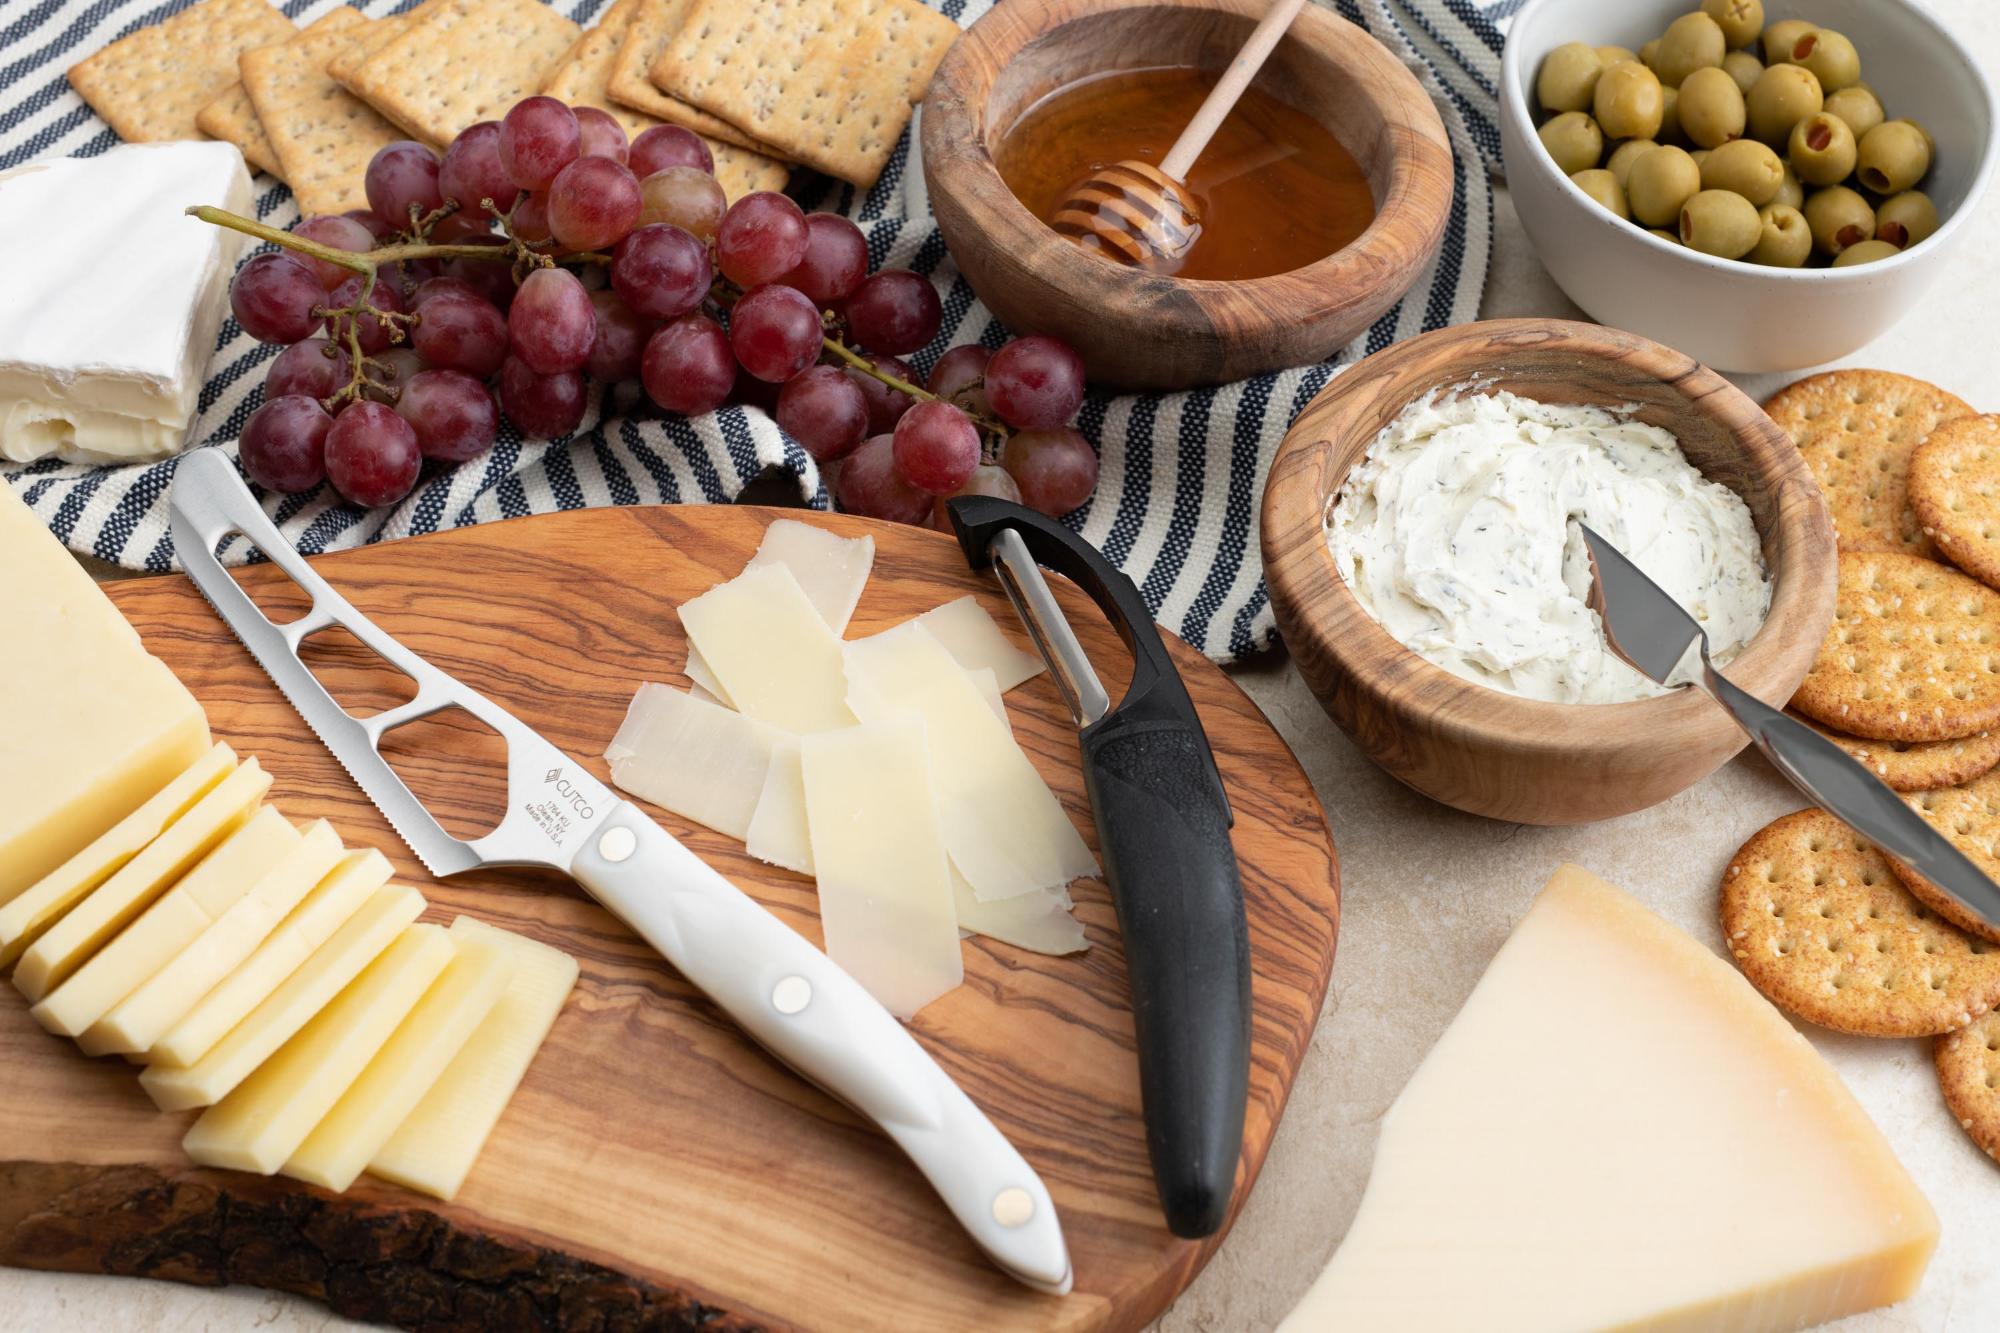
x=1223, y=96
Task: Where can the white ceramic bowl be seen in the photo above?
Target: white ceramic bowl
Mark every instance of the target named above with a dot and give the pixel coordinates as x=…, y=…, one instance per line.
x=1732, y=315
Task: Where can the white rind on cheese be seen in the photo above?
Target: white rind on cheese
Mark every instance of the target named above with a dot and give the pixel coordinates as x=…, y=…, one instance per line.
x=1618, y=1131
x=767, y=646
x=831, y=570
x=106, y=330
x=695, y=758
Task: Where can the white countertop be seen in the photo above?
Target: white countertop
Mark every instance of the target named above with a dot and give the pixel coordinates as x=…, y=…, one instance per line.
x=1430, y=894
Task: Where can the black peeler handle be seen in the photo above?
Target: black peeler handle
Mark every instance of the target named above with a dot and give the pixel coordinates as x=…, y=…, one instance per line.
x=1163, y=828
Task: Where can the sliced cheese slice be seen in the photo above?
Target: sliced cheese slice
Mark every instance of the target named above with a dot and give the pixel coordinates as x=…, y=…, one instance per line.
x=144, y=1016
x=433, y=1149
x=878, y=850
x=1039, y=922
x=170, y=925
x=268, y=1115
x=988, y=684
x=360, y=939
x=774, y=657
x=113, y=904
x=329, y=906
x=413, y=1059
x=24, y=919
x=1618, y=1132
x=831, y=570
x=778, y=833
x=701, y=679
x=1006, y=831
x=973, y=638
x=697, y=759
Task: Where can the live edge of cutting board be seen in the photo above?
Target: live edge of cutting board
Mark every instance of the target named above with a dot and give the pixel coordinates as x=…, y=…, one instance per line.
x=656, y=1169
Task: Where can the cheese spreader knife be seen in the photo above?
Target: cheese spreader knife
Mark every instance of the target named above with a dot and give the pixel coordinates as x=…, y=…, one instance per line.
x=1163, y=823
x=785, y=993
x=1647, y=628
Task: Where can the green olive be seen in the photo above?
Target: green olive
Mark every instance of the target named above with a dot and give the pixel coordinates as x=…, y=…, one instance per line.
x=1791, y=192
x=1629, y=103
x=1781, y=36
x=1866, y=252
x=1822, y=150
x=1604, y=190
x=1568, y=77
x=1574, y=141
x=1740, y=20
x=1830, y=56
x=1839, y=217
x=1744, y=167
x=1905, y=219
x=1624, y=155
x=1784, y=241
x=1663, y=234
x=1930, y=142
x=1783, y=96
x=1860, y=108
x=1744, y=67
x=1700, y=155
x=1893, y=156
x=1670, y=117
x=1611, y=55
x=1691, y=42
x=1658, y=184
x=1710, y=107
x=1720, y=223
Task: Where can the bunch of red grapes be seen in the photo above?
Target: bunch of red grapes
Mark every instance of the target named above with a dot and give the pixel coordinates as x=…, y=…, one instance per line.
x=639, y=232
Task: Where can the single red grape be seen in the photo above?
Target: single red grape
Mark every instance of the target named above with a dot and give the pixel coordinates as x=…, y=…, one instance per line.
x=885, y=405
x=393, y=369
x=460, y=330
x=550, y=325
x=688, y=367
x=593, y=202
x=760, y=239
x=406, y=275
x=956, y=376
x=936, y=447
x=542, y=407
x=492, y=279
x=665, y=146
x=621, y=339
x=685, y=197
x=531, y=219
x=315, y=368
x=539, y=136
x=339, y=232
x=775, y=332
x=284, y=443
x=895, y=311
x=823, y=410
x=1055, y=469
x=377, y=228
x=273, y=297
x=472, y=171
x=453, y=414
x=869, y=484
x=835, y=262
x=375, y=333
x=1035, y=383
x=661, y=271
x=986, y=479
x=401, y=177
x=431, y=288
x=600, y=135
x=372, y=456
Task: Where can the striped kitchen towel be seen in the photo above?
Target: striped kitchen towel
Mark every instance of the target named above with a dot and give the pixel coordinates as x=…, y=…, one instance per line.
x=1182, y=474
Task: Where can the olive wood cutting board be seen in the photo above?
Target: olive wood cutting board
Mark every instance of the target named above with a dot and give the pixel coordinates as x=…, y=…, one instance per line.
x=656, y=1169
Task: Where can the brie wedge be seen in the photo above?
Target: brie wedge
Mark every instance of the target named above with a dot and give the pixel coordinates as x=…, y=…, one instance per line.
x=107, y=326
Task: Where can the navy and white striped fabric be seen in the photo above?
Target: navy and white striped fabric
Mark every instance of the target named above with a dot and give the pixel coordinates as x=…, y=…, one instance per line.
x=1182, y=473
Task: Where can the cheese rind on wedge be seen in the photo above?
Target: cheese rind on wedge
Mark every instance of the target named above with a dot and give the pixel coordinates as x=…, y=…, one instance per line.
x=268, y=1115
x=434, y=1147
x=91, y=724
x=1617, y=1131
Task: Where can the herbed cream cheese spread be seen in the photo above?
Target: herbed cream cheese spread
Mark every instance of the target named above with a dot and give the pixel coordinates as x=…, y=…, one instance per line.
x=1458, y=532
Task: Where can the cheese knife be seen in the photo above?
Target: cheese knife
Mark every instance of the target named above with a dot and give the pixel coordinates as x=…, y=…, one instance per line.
x=1163, y=824
x=1649, y=630
x=787, y=995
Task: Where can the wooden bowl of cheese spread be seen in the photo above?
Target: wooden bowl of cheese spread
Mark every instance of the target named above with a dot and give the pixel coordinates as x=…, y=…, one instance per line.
x=1482, y=745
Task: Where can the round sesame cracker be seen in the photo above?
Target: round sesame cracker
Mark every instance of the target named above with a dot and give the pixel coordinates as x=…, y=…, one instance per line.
x=1968, y=1070
x=1856, y=430
x=1955, y=492
x=1820, y=924
x=1968, y=816
x=1913, y=653
x=1918, y=765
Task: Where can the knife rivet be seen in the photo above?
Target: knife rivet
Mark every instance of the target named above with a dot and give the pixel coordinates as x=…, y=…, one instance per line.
x=791, y=995
x=1013, y=1206
x=617, y=844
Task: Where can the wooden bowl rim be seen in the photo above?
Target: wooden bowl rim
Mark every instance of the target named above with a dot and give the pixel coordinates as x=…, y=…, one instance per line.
x=1344, y=632
x=1396, y=241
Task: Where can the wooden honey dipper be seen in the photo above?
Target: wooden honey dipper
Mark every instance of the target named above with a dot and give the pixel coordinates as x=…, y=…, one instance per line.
x=1142, y=215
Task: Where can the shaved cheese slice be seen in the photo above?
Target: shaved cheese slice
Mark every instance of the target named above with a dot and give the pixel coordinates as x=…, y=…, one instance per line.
x=778, y=830
x=989, y=687
x=1039, y=922
x=971, y=636
x=697, y=759
x=1006, y=831
x=831, y=570
x=775, y=658
x=884, y=884
x=701, y=680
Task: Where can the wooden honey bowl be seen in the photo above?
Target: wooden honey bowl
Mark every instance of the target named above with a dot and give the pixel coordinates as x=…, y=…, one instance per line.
x=1140, y=330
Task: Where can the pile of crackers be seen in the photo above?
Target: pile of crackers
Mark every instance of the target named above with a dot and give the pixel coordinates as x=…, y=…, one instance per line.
x=828, y=84
x=1907, y=681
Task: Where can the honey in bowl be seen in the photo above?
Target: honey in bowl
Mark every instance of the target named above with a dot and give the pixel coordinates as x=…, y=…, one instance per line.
x=1274, y=189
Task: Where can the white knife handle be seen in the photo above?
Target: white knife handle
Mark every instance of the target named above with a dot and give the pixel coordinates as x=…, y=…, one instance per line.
x=817, y=1019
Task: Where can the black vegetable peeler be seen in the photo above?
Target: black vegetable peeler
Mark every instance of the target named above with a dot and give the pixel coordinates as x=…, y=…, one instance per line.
x=1163, y=827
